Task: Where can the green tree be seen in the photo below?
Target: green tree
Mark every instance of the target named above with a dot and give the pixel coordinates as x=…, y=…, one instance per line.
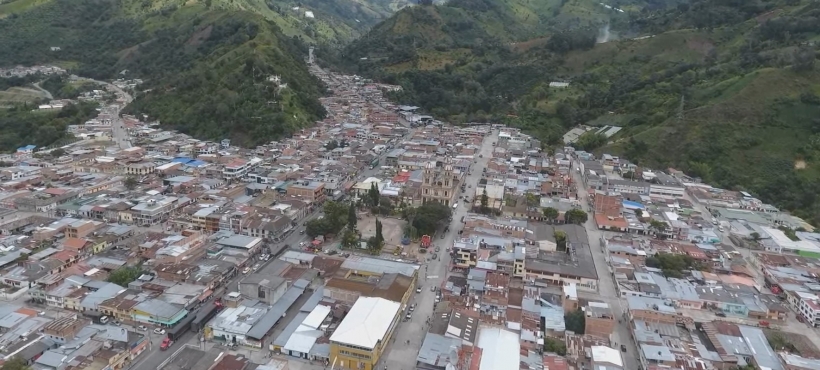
x=533, y=200
x=318, y=226
x=551, y=214
x=560, y=240
x=379, y=235
x=373, y=196
x=755, y=236
x=15, y=363
x=333, y=144
x=554, y=345
x=485, y=202
x=337, y=216
x=575, y=321
x=658, y=226
x=352, y=220
x=429, y=217
x=350, y=239
x=124, y=275
x=576, y=216
x=130, y=183
x=56, y=153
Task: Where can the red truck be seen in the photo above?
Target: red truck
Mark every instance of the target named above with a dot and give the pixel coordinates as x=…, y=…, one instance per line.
x=425, y=241
x=166, y=343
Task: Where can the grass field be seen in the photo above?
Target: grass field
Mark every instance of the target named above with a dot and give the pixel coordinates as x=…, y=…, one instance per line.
x=17, y=95
x=17, y=6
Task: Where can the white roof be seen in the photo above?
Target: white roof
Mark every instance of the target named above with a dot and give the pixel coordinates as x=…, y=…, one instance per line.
x=500, y=349
x=367, y=322
x=316, y=317
x=601, y=354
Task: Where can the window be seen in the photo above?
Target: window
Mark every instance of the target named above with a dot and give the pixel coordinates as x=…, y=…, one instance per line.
x=260, y=292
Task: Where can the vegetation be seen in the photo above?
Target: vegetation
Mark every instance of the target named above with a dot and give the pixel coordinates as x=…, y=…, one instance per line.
x=725, y=90
x=575, y=321
x=555, y=345
x=15, y=363
x=336, y=217
x=125, y=275
x=130, y=183
x=780, y=343
x=426, y=219
x=673, y=265
x=560, y=240
x=575, y=216
x=207, y=69
x=22, y=126
x=61, y=87
x=550, y=214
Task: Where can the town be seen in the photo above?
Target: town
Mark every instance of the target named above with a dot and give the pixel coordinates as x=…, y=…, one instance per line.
x=383, y=238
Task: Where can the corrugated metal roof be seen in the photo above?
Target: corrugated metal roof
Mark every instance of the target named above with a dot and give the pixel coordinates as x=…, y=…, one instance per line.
x=266, y=323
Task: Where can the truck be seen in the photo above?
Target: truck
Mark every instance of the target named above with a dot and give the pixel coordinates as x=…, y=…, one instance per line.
x=425, y=241
x=166, y=343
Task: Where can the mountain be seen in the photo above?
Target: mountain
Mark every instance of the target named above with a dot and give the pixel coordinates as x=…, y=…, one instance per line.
x=723, y=89
x=210, y=67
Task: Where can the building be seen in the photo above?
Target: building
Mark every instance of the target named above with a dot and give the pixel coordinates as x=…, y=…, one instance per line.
x=265, y=288
x=438, y=183
x=309, y=191
x=361, y=337
x=599, y=321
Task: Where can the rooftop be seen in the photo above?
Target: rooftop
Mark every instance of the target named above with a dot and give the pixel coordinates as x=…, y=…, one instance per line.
x=367, y=322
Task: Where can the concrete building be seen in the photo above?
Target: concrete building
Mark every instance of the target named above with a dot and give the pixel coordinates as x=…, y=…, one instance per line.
x=361, y=337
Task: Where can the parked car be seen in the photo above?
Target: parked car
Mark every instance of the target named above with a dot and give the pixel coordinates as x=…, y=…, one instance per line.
x=103, y=319
x=246, y=270
x=159, y=331
x=623, y=348
x=720, y=314
x=418, y=290
x=142, y=328
x=117, y=322
x=166, y=343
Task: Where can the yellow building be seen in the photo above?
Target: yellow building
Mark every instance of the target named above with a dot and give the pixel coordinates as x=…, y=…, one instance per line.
x=361, y=337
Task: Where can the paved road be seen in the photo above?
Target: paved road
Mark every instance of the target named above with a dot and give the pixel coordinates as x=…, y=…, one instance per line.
x=606, y=281
x=400, y=355
x=118, y=132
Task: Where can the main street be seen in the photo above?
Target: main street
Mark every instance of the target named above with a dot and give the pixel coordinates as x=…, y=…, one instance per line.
x=399, y=354
x=607, y=290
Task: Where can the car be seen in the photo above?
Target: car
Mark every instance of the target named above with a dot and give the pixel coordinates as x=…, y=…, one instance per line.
x=117, y=322
x=418, y=290
x=412, y=307
x=481, y=156
x=408, y=316
x=159, y=331
x=256, y=266
x=103, y=319
x=623, y=348
x=442, y=236
x=302, y=232
x=142, y=328
x=246, y=270
x=720, y=314
x=438, y=248
x=435, y=256
x=433, y=288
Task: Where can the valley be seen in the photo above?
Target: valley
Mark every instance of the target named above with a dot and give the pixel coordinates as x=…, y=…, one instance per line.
x=725, y=90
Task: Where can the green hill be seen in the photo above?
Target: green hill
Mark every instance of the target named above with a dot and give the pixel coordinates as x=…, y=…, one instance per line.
x=206, y=70
x=723, y=89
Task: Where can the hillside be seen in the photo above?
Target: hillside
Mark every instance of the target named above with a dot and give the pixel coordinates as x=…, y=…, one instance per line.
x=206, y=69
x=724, y=89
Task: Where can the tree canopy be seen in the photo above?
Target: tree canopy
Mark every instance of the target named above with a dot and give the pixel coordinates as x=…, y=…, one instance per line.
x=429, y=217
x=125, y=275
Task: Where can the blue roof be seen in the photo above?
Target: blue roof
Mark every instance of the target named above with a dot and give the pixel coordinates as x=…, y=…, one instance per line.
x=631, y=204
x=182, y=160
x=27, y=147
